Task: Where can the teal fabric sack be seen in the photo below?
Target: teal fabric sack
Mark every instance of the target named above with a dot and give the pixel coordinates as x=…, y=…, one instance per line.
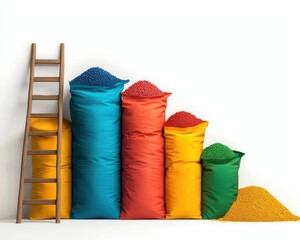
x=96, y=121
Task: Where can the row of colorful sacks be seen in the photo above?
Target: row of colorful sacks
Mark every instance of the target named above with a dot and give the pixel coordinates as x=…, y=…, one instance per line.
x=122, y=159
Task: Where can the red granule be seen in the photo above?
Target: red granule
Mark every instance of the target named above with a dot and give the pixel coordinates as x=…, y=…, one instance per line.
x=143, y=88
x=182, y=119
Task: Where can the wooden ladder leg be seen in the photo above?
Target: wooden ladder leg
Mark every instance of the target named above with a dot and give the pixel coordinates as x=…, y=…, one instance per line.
x=59, y=134
x=26, y=134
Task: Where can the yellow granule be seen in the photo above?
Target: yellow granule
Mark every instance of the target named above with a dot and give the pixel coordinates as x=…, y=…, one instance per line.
x=255, y=204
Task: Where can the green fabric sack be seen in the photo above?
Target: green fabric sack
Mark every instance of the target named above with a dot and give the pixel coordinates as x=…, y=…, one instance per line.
x=220, y=167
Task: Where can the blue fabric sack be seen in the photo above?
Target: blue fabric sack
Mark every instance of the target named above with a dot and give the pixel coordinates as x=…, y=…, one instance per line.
x=96, y=128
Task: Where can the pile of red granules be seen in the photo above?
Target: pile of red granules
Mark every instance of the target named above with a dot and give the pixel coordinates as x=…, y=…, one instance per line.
x=143, y=88
x=182, y=119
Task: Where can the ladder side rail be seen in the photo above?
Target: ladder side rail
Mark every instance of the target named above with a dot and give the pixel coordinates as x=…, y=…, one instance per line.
x=25, y=142
x=59, y=130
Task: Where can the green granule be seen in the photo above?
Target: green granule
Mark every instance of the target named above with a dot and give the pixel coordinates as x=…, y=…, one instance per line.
x=217, y=151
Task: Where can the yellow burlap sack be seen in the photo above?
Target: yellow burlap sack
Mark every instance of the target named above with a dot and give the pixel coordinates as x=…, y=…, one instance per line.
x=183, y=147
x=44, y=166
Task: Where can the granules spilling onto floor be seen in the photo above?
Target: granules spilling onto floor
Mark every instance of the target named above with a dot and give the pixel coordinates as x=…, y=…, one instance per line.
x=255, y=204
x=217, y=151
x=143, y=88
x=96, y=76
x=182, y=119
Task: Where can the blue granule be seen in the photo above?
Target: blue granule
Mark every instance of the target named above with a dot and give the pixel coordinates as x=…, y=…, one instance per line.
x=96, y=76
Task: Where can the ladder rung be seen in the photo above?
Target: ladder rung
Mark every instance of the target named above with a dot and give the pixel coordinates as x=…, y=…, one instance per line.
x=39, y=202
x=47, y=61
x=46, y=79
x=42, y=133
x=44, y=115
x=40, y=180
x=44, y=97
x=41, y=152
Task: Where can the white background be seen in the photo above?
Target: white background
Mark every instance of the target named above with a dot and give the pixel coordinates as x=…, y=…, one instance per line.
x=233, y=63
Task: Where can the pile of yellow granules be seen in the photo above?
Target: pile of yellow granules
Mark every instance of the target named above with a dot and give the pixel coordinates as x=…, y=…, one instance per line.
x=255, y=204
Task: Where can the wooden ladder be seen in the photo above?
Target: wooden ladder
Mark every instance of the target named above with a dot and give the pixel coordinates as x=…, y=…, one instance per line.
x=28, y=133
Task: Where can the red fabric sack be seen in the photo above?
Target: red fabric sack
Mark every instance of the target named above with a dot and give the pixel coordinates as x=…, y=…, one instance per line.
x=143, y=156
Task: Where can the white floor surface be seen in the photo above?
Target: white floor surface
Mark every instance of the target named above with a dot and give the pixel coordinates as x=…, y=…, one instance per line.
x=146, y=229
